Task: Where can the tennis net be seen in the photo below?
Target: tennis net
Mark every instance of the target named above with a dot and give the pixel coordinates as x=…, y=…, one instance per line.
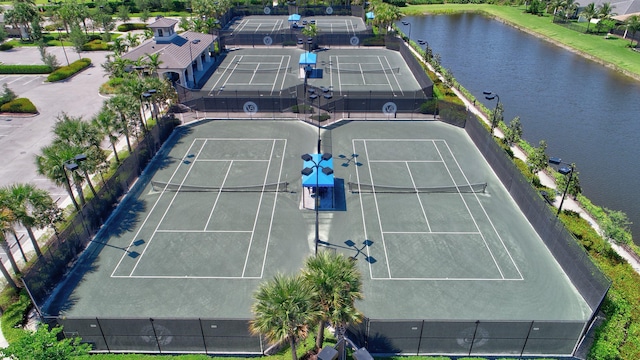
x=274, y=187
x=254, y=70
x=453, y=189
x=395, y=70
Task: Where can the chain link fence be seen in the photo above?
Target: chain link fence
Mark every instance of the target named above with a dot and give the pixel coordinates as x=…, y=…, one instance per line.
x=61, y=252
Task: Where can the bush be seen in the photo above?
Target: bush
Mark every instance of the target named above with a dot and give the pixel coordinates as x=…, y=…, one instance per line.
x=19, y=105
x=95, y=45
x=5, y=47
x=24, y=69
x=67, y=71
x=14, y=317
x=131, y=26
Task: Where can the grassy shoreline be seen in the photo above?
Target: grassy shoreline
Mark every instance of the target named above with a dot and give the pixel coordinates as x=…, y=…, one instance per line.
x=613, y=54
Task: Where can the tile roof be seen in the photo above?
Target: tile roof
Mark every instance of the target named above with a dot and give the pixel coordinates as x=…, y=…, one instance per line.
x=176, y=54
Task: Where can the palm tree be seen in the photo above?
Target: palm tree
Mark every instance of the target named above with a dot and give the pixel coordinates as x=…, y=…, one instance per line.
x=107, y=121
x=153, y=63
x=337, y=284
x=127, y=109
x=51, y=164
x=589, y=12
x=632, y=24
x=283, y=310
x=605, y=12
x=85, y=138
x=6, y=218
x=29, y=204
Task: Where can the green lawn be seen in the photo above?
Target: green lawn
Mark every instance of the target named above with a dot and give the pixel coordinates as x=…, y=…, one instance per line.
x=614, y=53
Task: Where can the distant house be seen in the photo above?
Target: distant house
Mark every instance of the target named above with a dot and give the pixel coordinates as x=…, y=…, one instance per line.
x=185, y=57
x=622, y=8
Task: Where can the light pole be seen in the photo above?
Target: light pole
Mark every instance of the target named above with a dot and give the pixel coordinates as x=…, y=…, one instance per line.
x=564, y=171
x=312, y=97
x=72, y=165
x=427, y=50
x=61, y=43
x=406, y=23
x=308, y=171
x=490, y=96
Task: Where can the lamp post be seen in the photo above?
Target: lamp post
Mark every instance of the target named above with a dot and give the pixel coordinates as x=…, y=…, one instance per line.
x=308, y=171
x=406, y=23
x=62, y=44
x=490, y=96
x=564, y=171
x=427, y=50
x=312, y=97
x=72, y=165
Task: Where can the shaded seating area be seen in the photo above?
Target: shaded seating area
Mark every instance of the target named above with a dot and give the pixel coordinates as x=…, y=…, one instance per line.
x=318, y=181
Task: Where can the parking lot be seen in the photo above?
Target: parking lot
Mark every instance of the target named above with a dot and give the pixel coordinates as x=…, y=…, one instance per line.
x=22, y=136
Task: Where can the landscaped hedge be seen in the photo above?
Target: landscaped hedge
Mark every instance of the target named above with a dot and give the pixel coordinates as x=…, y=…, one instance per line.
x=19, y=105
x=95, y=45
x=5, y=47
x=67, y=71
x=14, y=317
x=131, y=26
x=24, y=69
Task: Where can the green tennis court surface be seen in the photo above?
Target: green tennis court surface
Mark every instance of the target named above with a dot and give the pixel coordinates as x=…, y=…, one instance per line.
x=257, y=24
x=179, y=247
x=276, y=70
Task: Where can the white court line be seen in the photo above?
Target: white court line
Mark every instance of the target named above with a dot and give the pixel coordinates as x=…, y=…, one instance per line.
x=215, y=202
x=151, y=211
x=375, y=199
x=223, y=160
x=239, y=139
x=444, y=279
x=222, y=76
x=475, y=223
x=435, y=232
x=364, y=81
x=364, y=223
x=424, y=213
x=338, y=71
x=386, y=76
x=185, y=277
x=242, y=25
x=408, y=161
x=166, y=211
x=273, y=211
x=203, y=231
x=257, y=216
x=394, y=76
x=277, y=74
x=34, y=79
x=486, y=214
x=285, y=75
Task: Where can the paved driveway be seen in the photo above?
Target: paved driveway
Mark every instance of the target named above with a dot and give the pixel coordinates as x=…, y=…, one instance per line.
x=22, y=137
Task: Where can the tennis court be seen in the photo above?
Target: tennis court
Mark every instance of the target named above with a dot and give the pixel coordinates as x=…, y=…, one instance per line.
x=258, y=24
x=220, y=209
x=276, y=70
x=424, y=205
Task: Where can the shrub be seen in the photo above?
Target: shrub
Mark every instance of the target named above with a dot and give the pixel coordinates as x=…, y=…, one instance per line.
x=95, y=45
x=67, y=71
x=19, y=105
x=14, y=317
x=131, y=26
x=5, y=47
x=24, y=69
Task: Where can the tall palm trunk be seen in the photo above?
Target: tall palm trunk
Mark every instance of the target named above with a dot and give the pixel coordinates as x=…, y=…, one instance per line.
x=78, y=185
x=70, y=192
x=34, y=241
x=24, y=257
x=115, y=151
x=320, y=335
x=294, y=351
x=7, y=276
x=7, y=249
x=93, y=190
